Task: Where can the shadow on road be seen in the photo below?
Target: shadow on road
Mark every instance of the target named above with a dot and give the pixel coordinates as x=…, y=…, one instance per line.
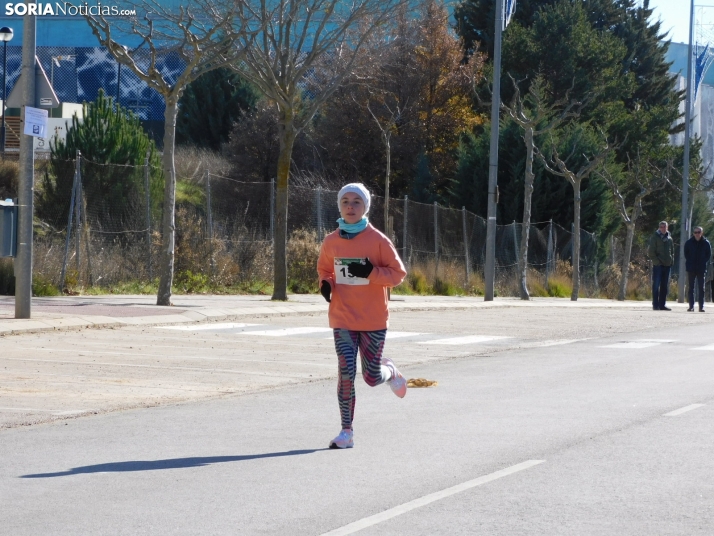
x=176, y=463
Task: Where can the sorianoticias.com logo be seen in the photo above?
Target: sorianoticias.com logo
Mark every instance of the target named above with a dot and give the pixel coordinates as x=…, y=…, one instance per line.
x=65, y=9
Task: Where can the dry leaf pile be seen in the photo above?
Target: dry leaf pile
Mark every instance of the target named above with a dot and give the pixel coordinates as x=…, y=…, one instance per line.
x=421, y=382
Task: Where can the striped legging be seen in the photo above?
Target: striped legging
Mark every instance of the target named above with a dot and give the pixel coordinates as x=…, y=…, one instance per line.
x=371, y=345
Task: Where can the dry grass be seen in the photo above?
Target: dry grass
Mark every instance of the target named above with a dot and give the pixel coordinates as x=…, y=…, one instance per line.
x=192, y=163
x=243, y=263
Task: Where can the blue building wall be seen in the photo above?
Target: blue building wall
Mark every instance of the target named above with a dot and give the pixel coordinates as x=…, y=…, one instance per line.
x=78, y=67
x=677, y=54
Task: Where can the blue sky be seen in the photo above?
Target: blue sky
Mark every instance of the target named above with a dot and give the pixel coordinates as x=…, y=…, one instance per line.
x=675, y=16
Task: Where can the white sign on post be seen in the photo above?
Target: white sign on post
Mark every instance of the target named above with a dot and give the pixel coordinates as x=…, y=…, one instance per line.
x=35, y=122
x=57, y=129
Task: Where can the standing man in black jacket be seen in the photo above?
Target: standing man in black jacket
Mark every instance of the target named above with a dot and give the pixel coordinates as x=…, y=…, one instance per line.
x=697, y=252
x=661, y=253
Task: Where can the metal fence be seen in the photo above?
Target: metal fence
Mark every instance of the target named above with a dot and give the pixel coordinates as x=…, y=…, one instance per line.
x=78, y=73
x=99, y=224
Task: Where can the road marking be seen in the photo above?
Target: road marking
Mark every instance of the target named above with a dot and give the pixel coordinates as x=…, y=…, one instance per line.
x=203, y=327
x=685, y=409
x=639, y=343
x=428, y=499
x=284, y=332
x=470, y=339
x=391, y=335
x=708, y=347
x=401, y=334
x=554, y=342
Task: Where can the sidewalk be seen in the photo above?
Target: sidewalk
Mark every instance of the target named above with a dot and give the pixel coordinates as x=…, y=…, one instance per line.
x=76, y=312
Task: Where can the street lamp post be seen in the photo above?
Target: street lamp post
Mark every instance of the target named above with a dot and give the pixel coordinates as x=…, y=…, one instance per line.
x=126, y=51
x=5, y=36
x=684, y=227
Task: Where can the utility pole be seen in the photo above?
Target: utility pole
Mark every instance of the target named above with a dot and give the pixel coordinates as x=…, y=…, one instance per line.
x=26, y=186
x=490, y=267
x=684, y=226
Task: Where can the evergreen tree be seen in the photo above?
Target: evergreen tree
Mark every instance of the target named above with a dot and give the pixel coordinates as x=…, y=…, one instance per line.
x=609, y=52
x=113, y=146
x=210, y=106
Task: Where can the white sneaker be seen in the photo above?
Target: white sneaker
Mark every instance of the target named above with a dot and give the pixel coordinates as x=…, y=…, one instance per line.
x=397, y=383
x=343, y=441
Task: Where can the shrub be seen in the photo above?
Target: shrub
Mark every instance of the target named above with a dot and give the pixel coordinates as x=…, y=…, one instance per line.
x=416, y=280
x=7, y=278
x=42, y=286
x=446, y=288
x=189, y=282
x=303, y=250
x=9, y=173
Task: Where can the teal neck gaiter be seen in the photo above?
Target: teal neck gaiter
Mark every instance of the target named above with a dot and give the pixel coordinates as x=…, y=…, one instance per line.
x=353, y=227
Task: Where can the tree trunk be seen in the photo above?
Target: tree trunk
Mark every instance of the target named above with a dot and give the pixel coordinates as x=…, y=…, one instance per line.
x=168, y=226
x=527, y=195
x=286, y=133
x=576, y=240
x=388, y=148
x=630, y=226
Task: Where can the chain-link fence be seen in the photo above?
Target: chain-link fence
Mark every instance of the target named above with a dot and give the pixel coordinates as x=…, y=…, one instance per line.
x=78, y=73
x=99, y=224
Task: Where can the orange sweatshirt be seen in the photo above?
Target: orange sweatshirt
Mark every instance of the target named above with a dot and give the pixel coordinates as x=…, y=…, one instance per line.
x=360, y=304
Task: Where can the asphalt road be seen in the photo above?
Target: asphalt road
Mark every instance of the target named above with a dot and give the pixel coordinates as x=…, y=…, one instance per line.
x=585, y=423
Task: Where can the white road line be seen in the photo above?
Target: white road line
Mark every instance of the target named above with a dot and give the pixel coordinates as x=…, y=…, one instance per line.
x=401, y=334
x=708, y=347
x=554, y=342
x=685, y=409
x=394, y=335
x=639, y=343
x=470, y=339
x=284, y=332
x=428, y=499
x=204, y=327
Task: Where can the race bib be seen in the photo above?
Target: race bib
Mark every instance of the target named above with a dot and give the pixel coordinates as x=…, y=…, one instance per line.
x=342, y=276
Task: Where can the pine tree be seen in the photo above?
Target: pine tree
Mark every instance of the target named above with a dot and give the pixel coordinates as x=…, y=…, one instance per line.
x=113, y=147
x=210, y=106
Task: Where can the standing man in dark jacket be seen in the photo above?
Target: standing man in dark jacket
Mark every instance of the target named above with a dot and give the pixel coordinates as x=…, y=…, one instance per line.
x=697, y=252
x=661, y=253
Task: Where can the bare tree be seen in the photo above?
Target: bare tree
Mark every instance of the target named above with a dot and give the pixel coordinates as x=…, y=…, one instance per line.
x=304, y=52
x=202, y=35
x=387, y=112
x=648, y=178
x=536, y=118
x=585, y=166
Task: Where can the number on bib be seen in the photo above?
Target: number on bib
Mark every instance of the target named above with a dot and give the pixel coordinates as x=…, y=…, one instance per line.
x=343, y=277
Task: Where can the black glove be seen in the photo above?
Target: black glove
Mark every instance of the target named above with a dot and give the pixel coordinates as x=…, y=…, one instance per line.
x=359, y=269
x=326, y=290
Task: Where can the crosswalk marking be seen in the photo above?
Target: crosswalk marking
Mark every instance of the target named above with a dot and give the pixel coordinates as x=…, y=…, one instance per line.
x=205, y=327
x=554, y=342
x=708, y=347
x=639, y=343
x=402, y=334
x=469, y=339
x=685, y=409
x=283, y=332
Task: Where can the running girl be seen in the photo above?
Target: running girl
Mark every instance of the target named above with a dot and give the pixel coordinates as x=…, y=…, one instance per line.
x=357, y=266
